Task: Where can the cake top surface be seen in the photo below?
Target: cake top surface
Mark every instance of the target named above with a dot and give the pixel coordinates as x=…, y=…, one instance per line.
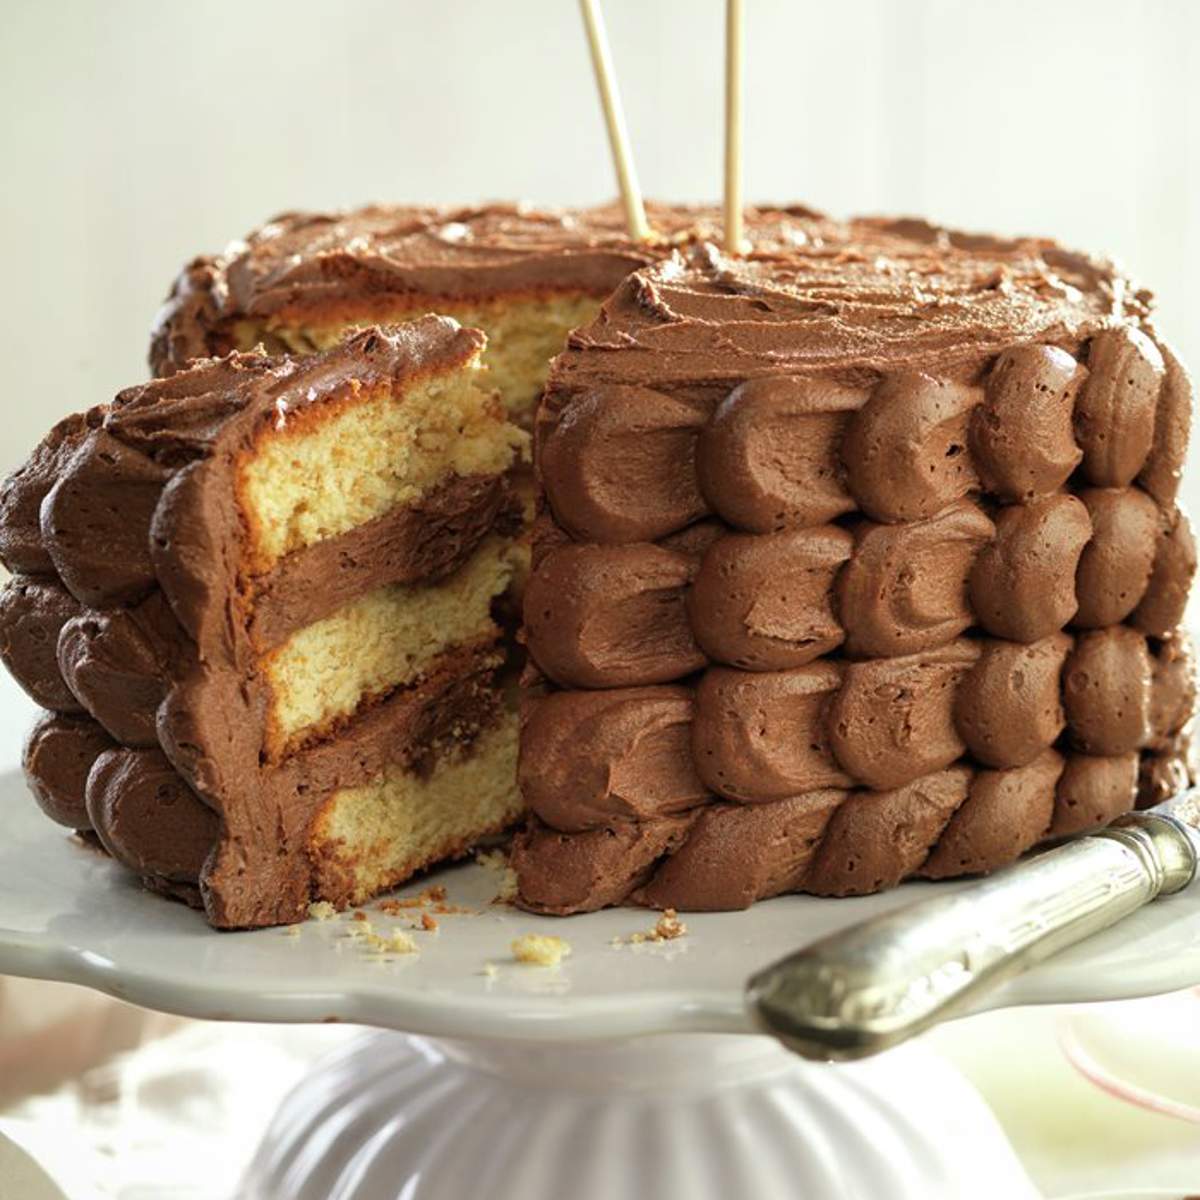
x=867, y=295
x=176, y=418
x=399, y=247
x=314, y=262
x=812, y=290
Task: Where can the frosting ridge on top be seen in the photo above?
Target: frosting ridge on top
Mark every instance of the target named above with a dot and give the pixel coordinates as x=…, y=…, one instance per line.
x=848, y=297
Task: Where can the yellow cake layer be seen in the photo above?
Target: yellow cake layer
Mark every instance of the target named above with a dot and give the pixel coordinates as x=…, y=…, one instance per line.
x=385, y=639
x=369, y=838
x=523, y=336
x=316, y=475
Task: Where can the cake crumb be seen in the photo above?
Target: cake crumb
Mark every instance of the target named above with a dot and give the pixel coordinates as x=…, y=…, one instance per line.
x=540, y=949
x=667, y=928
x=291, y=931
x=396, y=942
x=490, y=970
x=508, y=887
x=496, y=861
x=428, y=923
x=359, y=915
x=322, y=910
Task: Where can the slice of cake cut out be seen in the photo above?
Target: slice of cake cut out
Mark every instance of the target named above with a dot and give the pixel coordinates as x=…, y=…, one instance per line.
x=260, y=599
x=852, y=564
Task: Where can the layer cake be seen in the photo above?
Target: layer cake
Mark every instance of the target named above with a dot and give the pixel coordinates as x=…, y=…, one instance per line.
x=855, y=558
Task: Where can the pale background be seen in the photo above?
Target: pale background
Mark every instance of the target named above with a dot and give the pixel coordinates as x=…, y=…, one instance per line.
x=137, y=133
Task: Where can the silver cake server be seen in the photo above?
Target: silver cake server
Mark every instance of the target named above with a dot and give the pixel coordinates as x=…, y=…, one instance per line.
x=872, y=986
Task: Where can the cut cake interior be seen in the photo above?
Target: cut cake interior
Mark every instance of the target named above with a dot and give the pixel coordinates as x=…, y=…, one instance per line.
x=267, y=593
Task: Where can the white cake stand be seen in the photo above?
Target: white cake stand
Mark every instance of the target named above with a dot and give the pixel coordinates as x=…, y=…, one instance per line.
x=625, y=1073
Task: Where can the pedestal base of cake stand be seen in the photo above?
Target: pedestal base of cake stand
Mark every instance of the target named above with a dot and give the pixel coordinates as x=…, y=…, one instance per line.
x=695, y=1116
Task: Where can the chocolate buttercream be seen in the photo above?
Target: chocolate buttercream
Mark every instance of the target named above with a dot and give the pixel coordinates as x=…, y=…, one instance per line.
x=1008, y=708
x=765, y=602
x=564, y=873
x=1165, y=599
x=905, y=451
x=877, y=839
x=1107, y=691
x=955, y=391
x=852, y=300
x=32, y=613
x=1023, y=583
x=1005, y=813
x=1116, y=408
x=636, y=761
x=1114, y=568
x=611, y=616
x=147, y=817
x=762, y=735
x=1093, y=791
x=1164, y=467
x=735, y=854
x=893, y=719
x=22, y=493
x=1172, y=691
x=119, y=662
x=1022, y=434
x=1166, y=773
x=768, y=458
x=620, y=466
x=59, y=753
x=95, y=518
x=905, y=588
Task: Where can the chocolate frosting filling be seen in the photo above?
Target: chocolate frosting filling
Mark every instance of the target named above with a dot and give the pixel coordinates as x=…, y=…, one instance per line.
x=420, y=542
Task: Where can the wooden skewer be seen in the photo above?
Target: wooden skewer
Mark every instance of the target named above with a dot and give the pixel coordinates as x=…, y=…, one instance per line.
x=733, y=126
x=614, y=118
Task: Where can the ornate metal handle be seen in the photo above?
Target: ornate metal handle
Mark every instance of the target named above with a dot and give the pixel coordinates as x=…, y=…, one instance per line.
x=863, y=990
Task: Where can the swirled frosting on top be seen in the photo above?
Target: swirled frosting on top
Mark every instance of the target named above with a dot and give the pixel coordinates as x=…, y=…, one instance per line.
x=303, y=263
x=850, y=298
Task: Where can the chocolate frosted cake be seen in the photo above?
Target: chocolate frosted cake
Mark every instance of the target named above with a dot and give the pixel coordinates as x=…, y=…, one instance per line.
x=526, y=277
x=257, y=599
x=855, y=559
x=853, y=564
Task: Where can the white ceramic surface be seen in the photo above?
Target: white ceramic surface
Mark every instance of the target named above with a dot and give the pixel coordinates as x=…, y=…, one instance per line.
x=1146, y=1054
x=22, y=1178
x=706, y=1118
x=68, y=913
